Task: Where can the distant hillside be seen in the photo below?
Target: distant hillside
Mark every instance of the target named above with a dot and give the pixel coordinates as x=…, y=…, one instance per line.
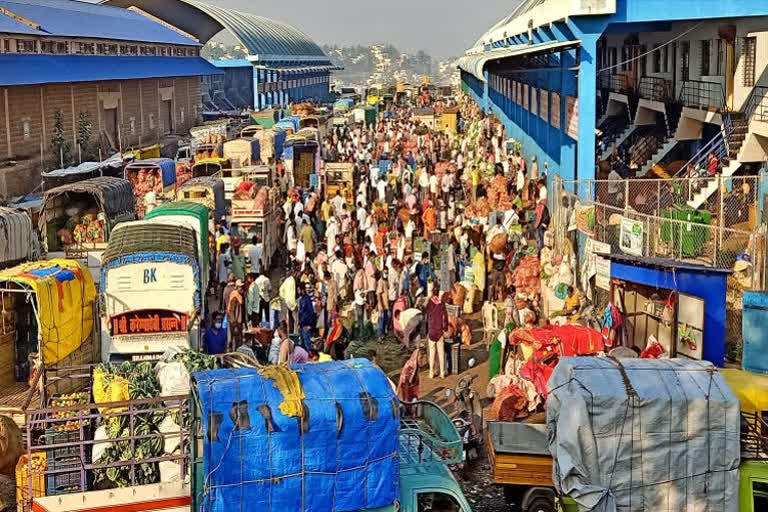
x=378, y=63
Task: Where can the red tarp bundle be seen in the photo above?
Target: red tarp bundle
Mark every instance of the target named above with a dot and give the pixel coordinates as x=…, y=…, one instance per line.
x=559, y=340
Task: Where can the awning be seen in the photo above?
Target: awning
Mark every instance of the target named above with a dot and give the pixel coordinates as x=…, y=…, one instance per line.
x=43, y=69
x=474, y=64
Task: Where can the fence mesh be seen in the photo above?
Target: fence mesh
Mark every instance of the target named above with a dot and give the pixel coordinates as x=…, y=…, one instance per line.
x=703, y=221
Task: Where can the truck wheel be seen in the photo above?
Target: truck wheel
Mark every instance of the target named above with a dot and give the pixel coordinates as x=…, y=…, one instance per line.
x=541, y=505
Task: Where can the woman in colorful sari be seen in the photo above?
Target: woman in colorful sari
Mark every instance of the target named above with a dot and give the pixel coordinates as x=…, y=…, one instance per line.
x=408, y=385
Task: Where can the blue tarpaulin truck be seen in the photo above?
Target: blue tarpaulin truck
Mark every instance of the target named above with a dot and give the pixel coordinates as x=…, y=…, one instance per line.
x=328, y=437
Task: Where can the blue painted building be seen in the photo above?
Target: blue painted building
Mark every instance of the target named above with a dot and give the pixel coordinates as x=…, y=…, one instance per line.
x=283, y=64
x=663, y=79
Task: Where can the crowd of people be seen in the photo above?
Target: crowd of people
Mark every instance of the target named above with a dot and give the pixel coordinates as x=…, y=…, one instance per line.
x=440, y=222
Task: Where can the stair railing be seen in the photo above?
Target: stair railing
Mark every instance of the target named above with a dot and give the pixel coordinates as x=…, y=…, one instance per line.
x=756, y=107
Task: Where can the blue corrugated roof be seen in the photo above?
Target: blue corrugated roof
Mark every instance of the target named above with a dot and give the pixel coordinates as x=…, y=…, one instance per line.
x=12, y=26
x=69, y=18
x=40, y=69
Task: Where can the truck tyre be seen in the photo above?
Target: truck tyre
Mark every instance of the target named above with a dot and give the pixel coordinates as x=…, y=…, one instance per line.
x=541, y=505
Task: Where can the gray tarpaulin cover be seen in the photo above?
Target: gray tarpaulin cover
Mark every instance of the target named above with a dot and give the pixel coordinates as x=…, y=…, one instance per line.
x=644, y=435
x=18, y=241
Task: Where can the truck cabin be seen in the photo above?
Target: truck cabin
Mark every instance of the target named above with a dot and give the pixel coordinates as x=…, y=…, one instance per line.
x=210, y=166
x=207, y=191
x=250, y=131
x=150, y=291
x=81, y=215
x=35, y=355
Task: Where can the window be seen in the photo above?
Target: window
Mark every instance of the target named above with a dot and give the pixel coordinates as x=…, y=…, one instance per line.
x=86, y=48
x=759, y=495
x=720, y=63
x=437, y=502
x=47, y=47
x=106, y=49
x=656, y=59
x=163, y=51
x=179, y=52
x=612, y=60
x=706, y=56
x=7, y=46
x=685, y=60
x=750, y=49
x=148, y=50
x=665, y=59
x=26, y=46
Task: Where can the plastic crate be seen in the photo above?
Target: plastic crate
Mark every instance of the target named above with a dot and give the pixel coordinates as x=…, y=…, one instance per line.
x=68, y=482
x=53, y=436
x=23, y=497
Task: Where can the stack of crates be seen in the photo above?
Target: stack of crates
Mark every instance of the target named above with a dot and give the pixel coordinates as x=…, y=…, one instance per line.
x=71, y=458
x=23, y=476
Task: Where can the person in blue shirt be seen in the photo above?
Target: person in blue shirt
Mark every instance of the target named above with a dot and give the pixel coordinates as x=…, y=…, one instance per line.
x=215, y=337
x=424, y=272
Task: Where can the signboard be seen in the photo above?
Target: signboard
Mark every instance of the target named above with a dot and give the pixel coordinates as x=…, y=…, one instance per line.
x=572, y=117
x=585, y=219
x=544, y=105
x=603, y=273
x=631, y=237
x=534, y=101
x=148, y=321
x=555, y=117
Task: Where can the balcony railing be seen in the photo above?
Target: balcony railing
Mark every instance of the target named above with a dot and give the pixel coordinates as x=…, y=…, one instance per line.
x=655, y=88
x=756, y=108
x=700, y=94
x=615, y=83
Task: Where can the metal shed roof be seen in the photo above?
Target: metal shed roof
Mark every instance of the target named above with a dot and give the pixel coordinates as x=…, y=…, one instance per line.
x=265, y=39
x=69, y=18
x=30, y=69
x=475, y=64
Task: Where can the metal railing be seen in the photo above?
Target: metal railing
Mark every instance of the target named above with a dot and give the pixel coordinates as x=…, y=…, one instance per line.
x=655, y=88
x=615, y=83
x=701, y=94
x=69, y=444
x=756, y=107
x=714, y=236
x=754, y=435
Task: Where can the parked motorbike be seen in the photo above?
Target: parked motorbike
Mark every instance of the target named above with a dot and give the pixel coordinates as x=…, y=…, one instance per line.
x=467, y=416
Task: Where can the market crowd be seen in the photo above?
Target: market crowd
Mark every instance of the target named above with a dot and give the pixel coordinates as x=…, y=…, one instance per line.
x=435, y=224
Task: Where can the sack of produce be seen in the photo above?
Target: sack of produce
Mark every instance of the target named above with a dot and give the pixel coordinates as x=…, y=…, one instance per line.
x=173, y=378
x=498, y=243
x=458, y=294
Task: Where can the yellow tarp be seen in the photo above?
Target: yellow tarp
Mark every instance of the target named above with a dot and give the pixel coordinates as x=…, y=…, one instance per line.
x=750, y=388
x=65, y=294
x=287, y=382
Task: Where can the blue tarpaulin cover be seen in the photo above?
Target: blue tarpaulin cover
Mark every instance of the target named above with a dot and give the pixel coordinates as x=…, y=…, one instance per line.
x=166, y=165
x=346, y=459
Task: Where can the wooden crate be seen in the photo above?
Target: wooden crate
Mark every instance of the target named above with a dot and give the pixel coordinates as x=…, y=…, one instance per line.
x=7, y=358
x=519, y=469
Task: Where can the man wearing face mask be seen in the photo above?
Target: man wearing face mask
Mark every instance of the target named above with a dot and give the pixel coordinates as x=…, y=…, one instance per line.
x=215, y=337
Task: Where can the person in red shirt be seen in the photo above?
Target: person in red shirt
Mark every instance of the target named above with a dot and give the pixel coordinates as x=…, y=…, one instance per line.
x=437, y=326
x=712, y=165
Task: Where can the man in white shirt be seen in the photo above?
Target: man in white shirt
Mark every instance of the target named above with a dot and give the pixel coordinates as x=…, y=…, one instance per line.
x=381, y=188
x=339, y=270
x=338, y=202
x=256, y=255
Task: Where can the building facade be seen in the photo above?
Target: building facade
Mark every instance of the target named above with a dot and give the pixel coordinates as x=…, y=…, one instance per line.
x=71, y=68
x=283, y=64
x=658, y=80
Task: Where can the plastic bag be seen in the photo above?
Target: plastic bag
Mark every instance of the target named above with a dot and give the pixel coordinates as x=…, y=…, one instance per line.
x=173, y=378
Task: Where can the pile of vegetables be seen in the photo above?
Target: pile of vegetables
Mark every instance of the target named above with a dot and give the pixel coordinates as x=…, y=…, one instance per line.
x=68, y=423
x=155, y=426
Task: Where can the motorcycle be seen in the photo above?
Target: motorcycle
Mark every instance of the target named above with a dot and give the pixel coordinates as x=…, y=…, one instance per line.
x=467, y=416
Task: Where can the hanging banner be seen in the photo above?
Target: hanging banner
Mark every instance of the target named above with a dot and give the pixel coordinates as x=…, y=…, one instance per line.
x=603, y=273
x=534, y=101
x=585, y=219
x=555, y=116
x=572, y=117
x=631, y=237
x=544, y=105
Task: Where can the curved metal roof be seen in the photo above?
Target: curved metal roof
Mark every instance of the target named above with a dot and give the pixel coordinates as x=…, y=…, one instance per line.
x=264, y=38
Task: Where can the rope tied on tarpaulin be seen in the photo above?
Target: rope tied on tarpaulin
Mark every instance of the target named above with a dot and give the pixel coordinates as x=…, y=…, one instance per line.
x=287, y=382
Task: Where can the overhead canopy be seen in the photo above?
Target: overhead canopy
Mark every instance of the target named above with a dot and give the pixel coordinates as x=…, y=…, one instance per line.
x=31, y=69
x=65, y=294
x=115, y=195
x=64, y=18
x=475, y=64
x=266, y=40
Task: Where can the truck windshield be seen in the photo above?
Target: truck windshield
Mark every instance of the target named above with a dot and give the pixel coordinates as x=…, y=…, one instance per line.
x=437, y=502
x=246, y=232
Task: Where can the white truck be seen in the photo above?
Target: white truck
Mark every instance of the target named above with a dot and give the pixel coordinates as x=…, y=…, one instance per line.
x=259, y=217
x=150, y=291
